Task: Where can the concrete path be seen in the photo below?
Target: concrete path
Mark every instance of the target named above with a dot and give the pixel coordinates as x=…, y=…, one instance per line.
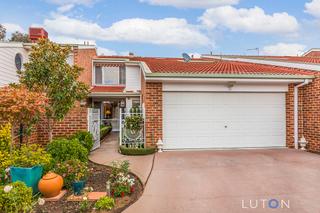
x=108, y=152
x=219, y=181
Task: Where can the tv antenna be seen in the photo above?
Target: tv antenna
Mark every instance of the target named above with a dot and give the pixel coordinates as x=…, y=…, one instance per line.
x=255, y=49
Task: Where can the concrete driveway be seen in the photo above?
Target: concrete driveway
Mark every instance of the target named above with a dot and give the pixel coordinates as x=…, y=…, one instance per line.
x=226, y=181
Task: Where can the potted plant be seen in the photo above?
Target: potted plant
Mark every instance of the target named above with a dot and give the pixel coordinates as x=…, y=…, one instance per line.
x=28, y=164
x=75, y=174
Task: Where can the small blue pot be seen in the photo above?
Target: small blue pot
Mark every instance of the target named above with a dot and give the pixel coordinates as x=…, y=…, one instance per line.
x=30, y=176
x=78, y=187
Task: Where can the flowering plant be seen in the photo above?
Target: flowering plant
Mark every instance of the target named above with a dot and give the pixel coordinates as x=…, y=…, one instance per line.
x=72, y=170
x=120, y=182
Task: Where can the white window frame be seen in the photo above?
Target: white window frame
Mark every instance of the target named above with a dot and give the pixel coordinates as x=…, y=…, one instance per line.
x=102, y=76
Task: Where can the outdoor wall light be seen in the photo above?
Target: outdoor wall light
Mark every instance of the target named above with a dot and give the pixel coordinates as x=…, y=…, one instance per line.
x=122, y=104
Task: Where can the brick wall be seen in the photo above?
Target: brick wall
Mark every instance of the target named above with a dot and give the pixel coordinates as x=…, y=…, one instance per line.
x=83, y=58
x=74, y=121
x=311, y=114
x=152, y=98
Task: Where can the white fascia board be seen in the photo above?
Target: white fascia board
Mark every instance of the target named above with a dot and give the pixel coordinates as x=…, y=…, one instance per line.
x=225, y=80
x=113, y=94
x=305, y=66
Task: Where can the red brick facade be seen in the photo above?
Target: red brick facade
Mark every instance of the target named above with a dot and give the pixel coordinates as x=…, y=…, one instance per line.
x=152, y=99
x=309, y=115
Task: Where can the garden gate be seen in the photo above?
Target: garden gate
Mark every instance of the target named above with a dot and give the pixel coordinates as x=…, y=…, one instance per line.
x=94, y=126
x=132, y=138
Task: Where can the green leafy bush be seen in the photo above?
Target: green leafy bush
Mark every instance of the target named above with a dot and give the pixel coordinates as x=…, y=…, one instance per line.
x=5, y=163
x=105, y=130
x=72, y=170
x=137, y=151
x=105, y=203
x=64, y=149
x=5, y=137
x=15, y=197
x=31, y=155
x=85, y=138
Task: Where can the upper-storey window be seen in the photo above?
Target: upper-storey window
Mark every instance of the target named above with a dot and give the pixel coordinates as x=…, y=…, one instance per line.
x=105, y=75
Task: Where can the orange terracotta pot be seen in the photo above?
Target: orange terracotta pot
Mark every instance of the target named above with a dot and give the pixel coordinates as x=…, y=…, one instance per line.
x=50, y=185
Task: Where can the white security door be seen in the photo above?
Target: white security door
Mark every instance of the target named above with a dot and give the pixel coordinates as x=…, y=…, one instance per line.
x=223, y=120
x=94, y=126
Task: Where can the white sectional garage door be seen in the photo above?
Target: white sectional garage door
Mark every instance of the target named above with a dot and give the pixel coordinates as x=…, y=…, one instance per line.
x=223, y=120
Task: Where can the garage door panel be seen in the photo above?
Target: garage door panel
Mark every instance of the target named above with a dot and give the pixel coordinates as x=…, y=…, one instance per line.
x=217, y=120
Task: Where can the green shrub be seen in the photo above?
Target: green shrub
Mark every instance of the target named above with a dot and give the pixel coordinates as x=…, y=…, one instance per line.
x=5, y=137
x=85, y=138
x=137, y=151
x=15, y=197
x=105, y=203
x=104, y=130
x=31, y=155
x=63, y=149
x=72, y=170
x=5, y=163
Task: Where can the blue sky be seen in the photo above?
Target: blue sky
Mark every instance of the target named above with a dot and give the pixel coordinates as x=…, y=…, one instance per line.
x=171, y=27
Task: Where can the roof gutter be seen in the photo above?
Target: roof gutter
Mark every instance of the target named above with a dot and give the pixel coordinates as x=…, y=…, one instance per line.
x=224, y=77
x=296, y=111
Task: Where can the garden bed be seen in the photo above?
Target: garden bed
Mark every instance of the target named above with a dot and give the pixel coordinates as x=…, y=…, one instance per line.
x=97, y=180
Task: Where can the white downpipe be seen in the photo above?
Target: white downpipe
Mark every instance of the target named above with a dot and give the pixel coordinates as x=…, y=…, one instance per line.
x=296, y=112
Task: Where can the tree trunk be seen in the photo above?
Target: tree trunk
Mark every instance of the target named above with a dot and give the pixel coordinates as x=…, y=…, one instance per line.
x=50, y=130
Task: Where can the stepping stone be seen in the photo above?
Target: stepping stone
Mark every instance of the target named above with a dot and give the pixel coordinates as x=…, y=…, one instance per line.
x=56, y=198
x=92, y=196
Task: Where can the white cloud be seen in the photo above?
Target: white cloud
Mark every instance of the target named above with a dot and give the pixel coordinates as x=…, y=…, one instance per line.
x=105, y=51
x=284, y=49
x=313, y=8
x=192, y=3
x=253, y=20
x=11, y=28
x=65, y=8
x=70, y=40
x=167, y=31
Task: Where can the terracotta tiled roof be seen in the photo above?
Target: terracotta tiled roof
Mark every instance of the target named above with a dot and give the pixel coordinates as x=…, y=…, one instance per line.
x=107, y=89
x=298, y=59
x=315, y=53
x=212, y=66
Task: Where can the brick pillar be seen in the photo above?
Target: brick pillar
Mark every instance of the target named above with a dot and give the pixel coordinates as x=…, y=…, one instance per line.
x=152, y=96
x=290, y=116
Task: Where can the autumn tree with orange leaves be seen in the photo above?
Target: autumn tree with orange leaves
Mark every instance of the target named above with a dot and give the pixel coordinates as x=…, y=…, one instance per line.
x=19, y=106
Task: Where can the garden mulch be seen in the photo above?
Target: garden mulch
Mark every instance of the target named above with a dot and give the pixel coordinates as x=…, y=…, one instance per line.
x=97, y=180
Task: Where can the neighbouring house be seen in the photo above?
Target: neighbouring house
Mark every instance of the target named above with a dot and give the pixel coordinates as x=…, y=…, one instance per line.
x=12, y=57
x=211, y=102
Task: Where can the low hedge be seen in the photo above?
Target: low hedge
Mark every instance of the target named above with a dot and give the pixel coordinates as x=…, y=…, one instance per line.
x=137, y=151
x=104, y=130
